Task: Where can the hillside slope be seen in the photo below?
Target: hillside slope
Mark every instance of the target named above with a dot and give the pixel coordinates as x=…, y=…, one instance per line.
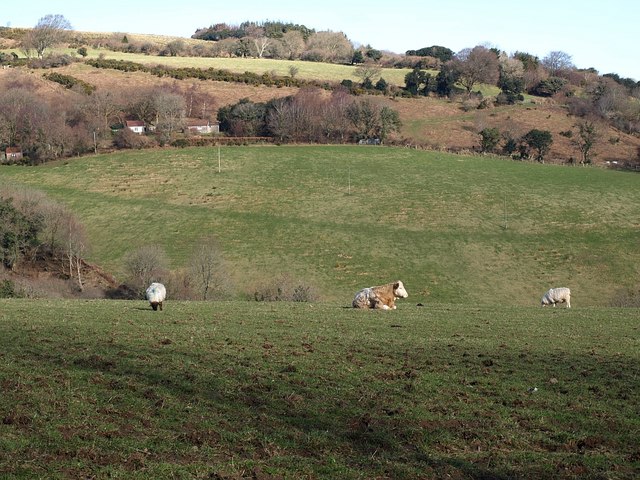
x=454, y=228
x=434, y=123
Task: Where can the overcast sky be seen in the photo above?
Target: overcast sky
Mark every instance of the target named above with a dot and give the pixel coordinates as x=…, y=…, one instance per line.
x=599, y=34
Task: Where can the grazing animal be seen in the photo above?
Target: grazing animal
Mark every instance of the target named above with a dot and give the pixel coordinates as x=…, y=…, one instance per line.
x=156, y=294
x=557, y=295
x=382, y=297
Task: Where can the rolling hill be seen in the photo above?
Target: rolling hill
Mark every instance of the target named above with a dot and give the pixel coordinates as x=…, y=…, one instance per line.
x=427, y=122
x=454, y=228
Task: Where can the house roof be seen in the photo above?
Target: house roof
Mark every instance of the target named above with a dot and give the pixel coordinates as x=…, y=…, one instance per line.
x=134, y=123
x=199, y=122
x=14, y=150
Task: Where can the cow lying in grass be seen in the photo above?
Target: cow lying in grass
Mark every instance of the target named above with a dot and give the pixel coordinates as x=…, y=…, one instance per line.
x=557, y=295
x=382, y=297
x=156, y=294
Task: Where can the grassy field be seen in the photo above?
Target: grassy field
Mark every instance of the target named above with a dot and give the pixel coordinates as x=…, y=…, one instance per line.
x=234, y=390
x=306, y=70
x=454, y=228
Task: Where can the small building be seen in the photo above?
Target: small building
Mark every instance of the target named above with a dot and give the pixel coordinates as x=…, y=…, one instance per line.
x=136, y=126
x=202, y=126
x=13, y=153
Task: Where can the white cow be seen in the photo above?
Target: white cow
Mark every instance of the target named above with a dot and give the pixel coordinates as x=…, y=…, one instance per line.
x=156, y=294
x=557, y=295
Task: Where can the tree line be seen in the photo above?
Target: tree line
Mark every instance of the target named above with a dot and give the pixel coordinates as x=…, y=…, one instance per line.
x=308, y=117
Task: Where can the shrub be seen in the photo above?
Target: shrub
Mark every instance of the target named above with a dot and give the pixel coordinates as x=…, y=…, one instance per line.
x=549, y=87
x=207, y=272
x=145, y=265
x=284, y=289
x=627, y=298
x=18, y=233
x=68, y=81
x=382, y=85
x=538, y=140
x=490, y=139
x=8, y=289
x=510, y=145
x=180, y=143
x=508, y=98
x=51, y=61
x=125, y=138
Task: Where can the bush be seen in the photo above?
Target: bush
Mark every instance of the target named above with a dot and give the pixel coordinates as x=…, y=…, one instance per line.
x=145, y=265
x=284, y=289
x=51, y=61
x=508, y=98
x=490, y=139
x=180, y=143
x=68, y=81
x=8, y=289
x=125, y=138
x=629, y=298
x=549, y=87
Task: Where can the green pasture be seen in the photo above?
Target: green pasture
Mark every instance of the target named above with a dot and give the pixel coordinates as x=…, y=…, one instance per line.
x=305, y=70
x=455, y=229
x=230, y=390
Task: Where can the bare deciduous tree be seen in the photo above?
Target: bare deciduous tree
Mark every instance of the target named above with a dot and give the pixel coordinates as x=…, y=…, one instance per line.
x=368, y=72
x=75, y=244
x=34, y=125
x=145, y=265
x=49, y=30
x=292, y=44
x=198, y=103
x=207, y=270
x=141, y=105
x=261, y=43
x=478, y=65
x=100, y=109
x=296, y=118
x=332, y=46
x=333, y=122
x=170, y=111
x=556, y=62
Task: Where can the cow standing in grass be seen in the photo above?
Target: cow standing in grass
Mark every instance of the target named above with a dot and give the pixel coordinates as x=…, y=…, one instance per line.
x=557, y=295
x=156, y=294
x=381, y=297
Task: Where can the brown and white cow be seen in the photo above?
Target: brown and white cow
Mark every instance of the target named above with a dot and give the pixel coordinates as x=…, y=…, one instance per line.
x=381, y=297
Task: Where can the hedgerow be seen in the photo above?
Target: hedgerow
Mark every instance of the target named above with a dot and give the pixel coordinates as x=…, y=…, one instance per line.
x=213, y=74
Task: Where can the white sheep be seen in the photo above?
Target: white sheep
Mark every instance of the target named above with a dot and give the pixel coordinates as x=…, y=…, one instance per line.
x=156, y=294
x=557, y=295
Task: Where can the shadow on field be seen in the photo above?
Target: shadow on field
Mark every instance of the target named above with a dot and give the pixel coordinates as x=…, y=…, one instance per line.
x=253, y=404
